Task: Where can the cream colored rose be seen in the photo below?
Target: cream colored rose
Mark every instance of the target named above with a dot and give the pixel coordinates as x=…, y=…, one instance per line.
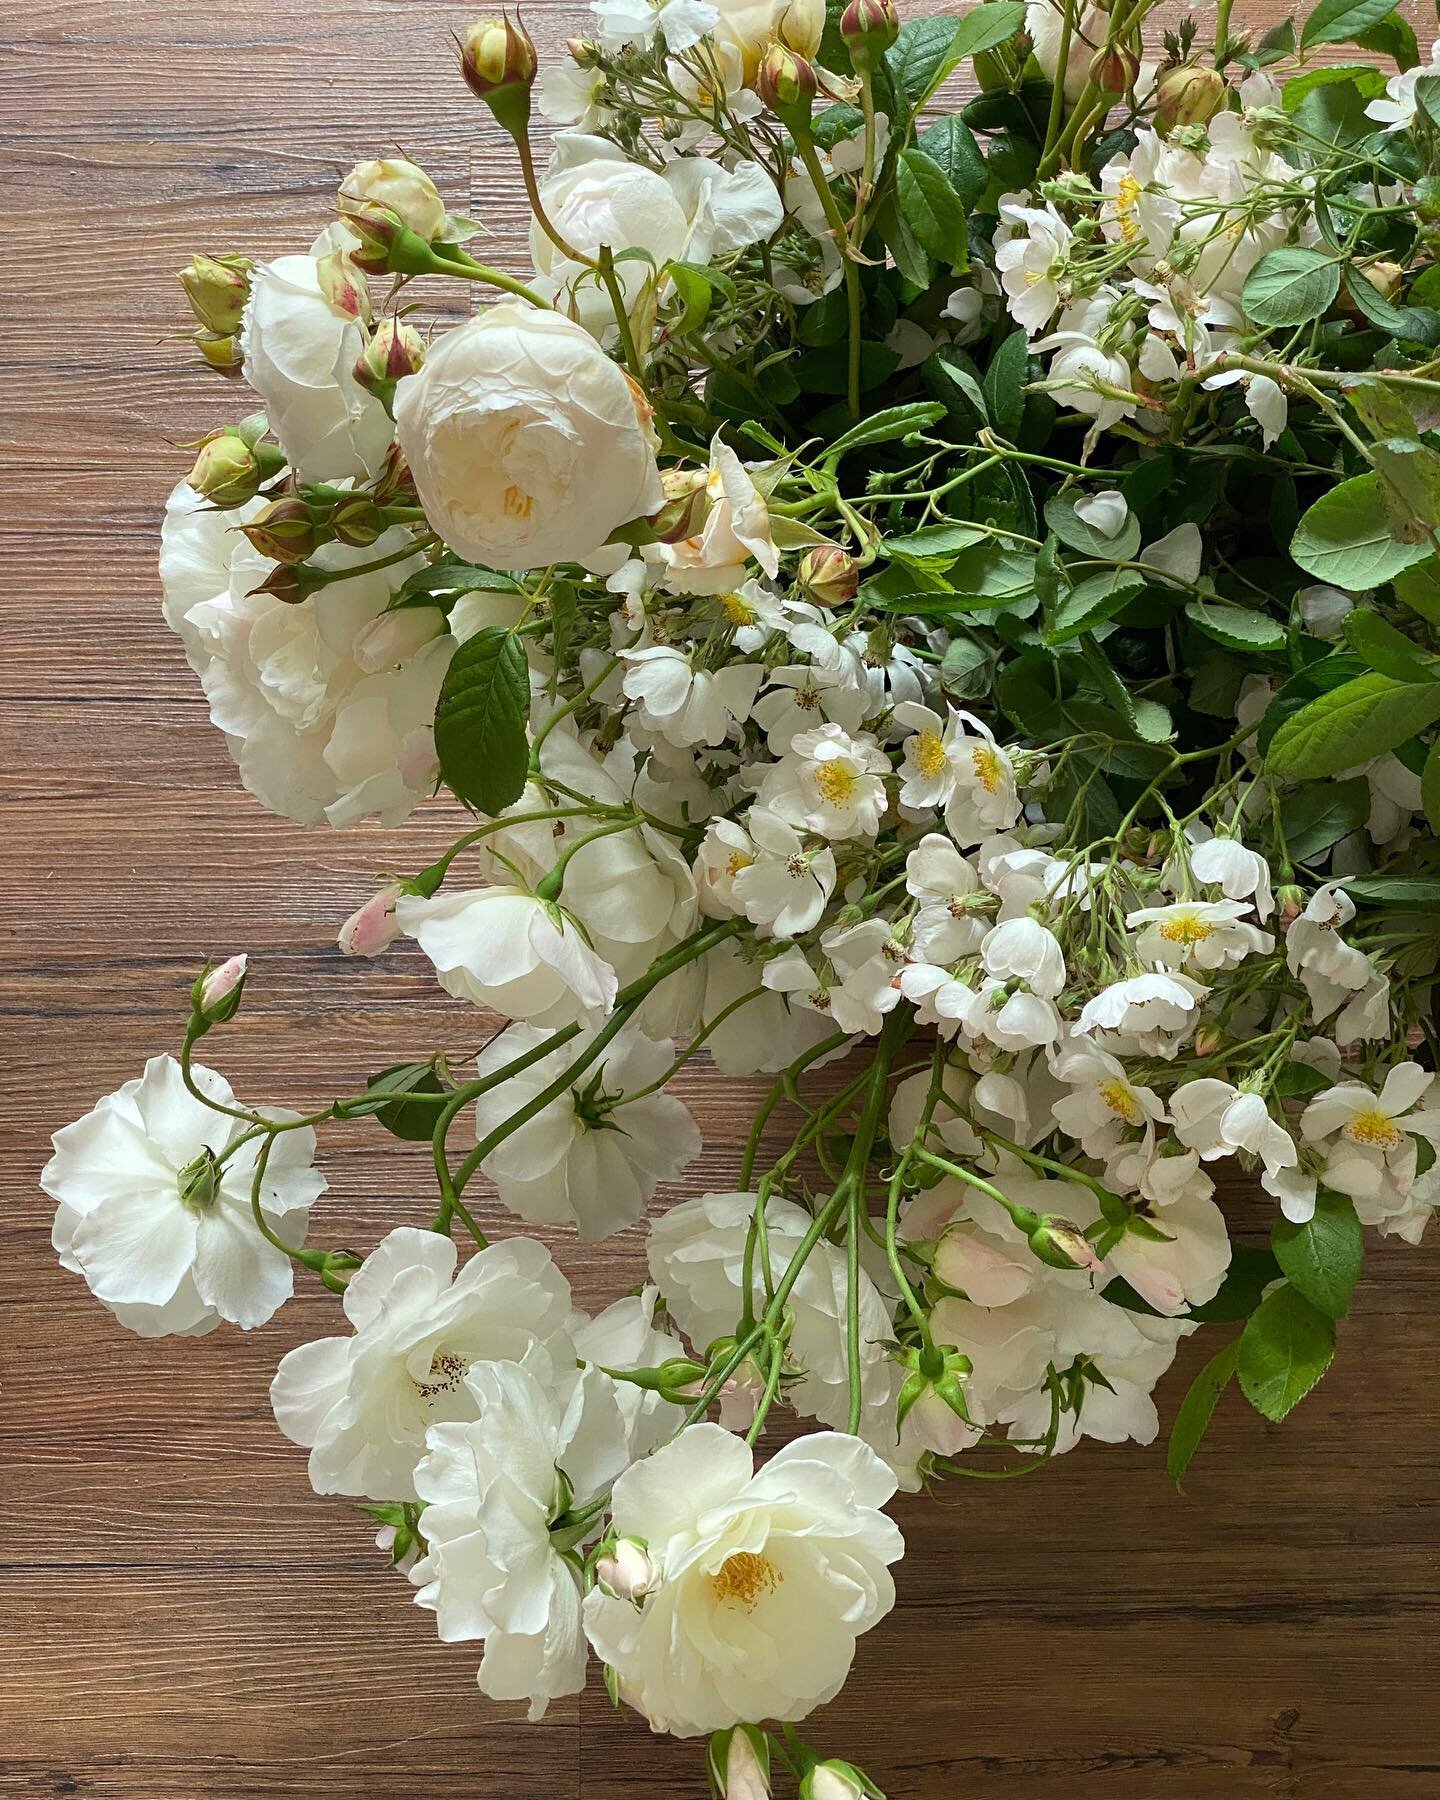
x=300, y=350
x=527, y=444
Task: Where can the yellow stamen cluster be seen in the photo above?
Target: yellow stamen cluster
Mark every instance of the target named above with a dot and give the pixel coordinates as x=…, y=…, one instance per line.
x=1375, y=1128
x=1186, y=928
x=989, y=769
x=744, y=1577
x=836, y=783
x=927, y=752
x=1121, y=1101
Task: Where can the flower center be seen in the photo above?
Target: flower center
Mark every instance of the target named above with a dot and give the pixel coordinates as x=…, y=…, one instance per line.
x=988, y=767
x=518, y=504
x=927, y=752
x=738, y=861
x=1127, y=194
x=1374, y=1127
x=447, y=1371
x=737, y=610
x=1120, y=1100
x=836, y=783
x=807, y=698
x=745, y=1576
x=1186, y=928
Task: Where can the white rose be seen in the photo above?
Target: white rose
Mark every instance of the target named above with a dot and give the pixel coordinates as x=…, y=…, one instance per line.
x=511, y=953
x=766, y=1578
x=328, y=707
x=362, y=1404
x=163, y=1235
x=300, y=349
x=527, y=444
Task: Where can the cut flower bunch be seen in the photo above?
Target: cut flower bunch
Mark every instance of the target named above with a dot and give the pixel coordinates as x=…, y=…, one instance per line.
x=949, y=591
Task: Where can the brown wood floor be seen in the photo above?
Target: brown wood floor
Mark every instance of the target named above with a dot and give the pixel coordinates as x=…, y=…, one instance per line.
x=180, y=1619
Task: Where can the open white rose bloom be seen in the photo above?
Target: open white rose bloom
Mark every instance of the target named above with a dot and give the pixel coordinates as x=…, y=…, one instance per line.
x=935, y=611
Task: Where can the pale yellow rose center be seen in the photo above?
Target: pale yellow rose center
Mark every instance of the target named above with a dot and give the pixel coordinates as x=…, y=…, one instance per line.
x=988, y=767
x=1120, y=1100
x=1186, y=928
x=836, y=783
x=744, y=1577
x=1375, y=1128
x=927, y=752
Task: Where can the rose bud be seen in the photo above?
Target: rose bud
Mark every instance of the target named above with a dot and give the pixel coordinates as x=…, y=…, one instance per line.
x=285, y=530
x=220, y=351
x=628, y=1572
x=394, y=485
x=357, y=522
x=215, y=995
x=1062, y=1245
x=801, y=26
x=786, y=84
x=198, y=1182
x=739, y=1763
x=403, y=187
x=1114, y=70
x=394, y=351
x=217, y=288
x=498, y=61
x=371, y=928
x=836, y=1780
x=1189, y=95
x=227, y=472
x=868, y=28
x=828, y=575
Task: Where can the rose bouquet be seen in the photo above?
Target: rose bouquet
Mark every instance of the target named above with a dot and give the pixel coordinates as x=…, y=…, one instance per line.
x=947, y=593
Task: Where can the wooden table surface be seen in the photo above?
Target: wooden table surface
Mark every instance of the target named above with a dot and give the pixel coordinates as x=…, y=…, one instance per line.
x=182, y=1619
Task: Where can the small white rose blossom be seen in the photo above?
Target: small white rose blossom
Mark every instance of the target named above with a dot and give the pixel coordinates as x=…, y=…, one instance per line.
x=160, y=1229
x=1200, y=934
x=767, y=1577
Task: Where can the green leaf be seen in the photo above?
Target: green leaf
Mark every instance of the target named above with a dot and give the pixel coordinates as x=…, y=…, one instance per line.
x=1251, y=1271
x=965, y=669
x=1319, y=815
x=932, y=208
x=1360, y=719
x=1297, y=1081
x=1092, y=601
x=1286, y=1346
x=1236, y=626
x=1427, y=94
x=1400, y=890
x=1333, y=21
x=1290, y=287
x=1322, y=1257
x=928, y=49
x=950, y=145
x=1072, y=531
x=409, y=1119
x=1368, y=81
x=900, y=239
x=480, y=721
x=1393, y=37
x=451, y=577
x=960, y=378
x=1346, y=539
x=993, y=574
x=1419, y=588
x=1386, y=650
x=1196, y=1410
x=1395, y=321
x=696, y=287
x=1430, y=788
x=884, y=427
x=1005, y=385
x=936, y=540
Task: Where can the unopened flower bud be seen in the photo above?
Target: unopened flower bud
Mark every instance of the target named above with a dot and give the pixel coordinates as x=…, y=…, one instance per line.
x=221, y=350
x=1059, y=1244
x=583, y=53
x=394, y=485
x=869, y=28
x=1189, y=95
x=342, y=284
x=1208, y=1040
x=403, y=187
x=835, y=1780
x=198, y=1182
x=801, y=27
x=1384, y=277
x=215, y=994
x=371, y=928
x=498, y=61
x=285, y=530
x=628, y=1572
x=217, y=288
x=394, y=351
x=292, y=583
x=228, y=472
x=1289, y=904
x=1114, y=70
x=357, y=522
x=828, y=575
x=786, y=84
x=739, y=1763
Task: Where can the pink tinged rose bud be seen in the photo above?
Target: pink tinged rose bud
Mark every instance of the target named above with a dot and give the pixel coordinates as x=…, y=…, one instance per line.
x=1062, y=1245
x=220, y=983
x=786, y=84
x=371, y=929
x=628, y=1572
x=215, y=996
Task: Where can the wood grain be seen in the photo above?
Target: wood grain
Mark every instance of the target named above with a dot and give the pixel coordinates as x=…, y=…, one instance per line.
x=182, y=1619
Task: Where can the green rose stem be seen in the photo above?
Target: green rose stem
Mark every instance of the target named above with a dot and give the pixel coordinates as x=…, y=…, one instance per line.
x=805, y=145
